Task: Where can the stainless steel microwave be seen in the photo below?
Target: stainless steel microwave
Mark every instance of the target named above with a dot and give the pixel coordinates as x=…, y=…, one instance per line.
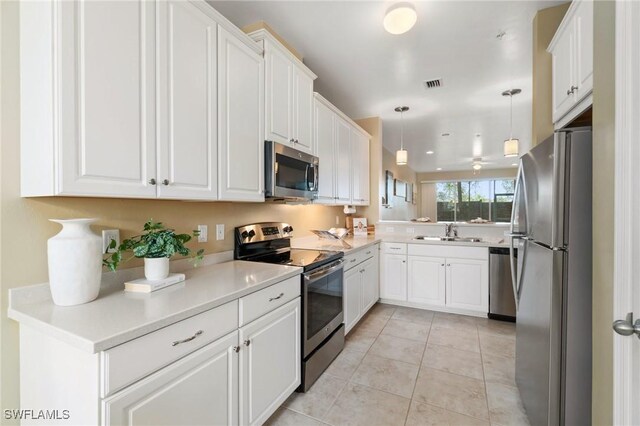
x=290, y=174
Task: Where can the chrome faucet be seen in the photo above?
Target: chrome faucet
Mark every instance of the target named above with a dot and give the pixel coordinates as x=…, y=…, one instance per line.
x=450, y=228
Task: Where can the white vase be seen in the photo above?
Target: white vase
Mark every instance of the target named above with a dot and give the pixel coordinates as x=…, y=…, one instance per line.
x=75, y=263
x=156, y=268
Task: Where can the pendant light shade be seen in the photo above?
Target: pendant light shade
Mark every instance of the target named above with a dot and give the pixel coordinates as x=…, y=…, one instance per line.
x=402, y=154
x=511, y=144
x=511, y=147
x=401, y=157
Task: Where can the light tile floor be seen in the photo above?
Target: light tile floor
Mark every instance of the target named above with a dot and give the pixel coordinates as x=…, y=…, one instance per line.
x=415, y=367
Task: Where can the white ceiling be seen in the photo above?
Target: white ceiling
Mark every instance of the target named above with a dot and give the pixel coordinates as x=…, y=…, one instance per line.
x=366, y=71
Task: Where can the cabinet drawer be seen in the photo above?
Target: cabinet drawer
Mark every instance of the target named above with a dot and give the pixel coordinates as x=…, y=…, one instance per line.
x=259, y=303
x=449, y=251
x=394, y=248
x=130, y=361
x=353, y=259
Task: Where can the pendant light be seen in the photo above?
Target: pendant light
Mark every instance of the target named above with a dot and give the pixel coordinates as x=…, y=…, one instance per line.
x=511, y=144
x=401, y=154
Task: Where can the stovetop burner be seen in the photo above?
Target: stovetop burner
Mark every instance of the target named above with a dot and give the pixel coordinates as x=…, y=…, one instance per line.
x=307, y=259
x=270, y=243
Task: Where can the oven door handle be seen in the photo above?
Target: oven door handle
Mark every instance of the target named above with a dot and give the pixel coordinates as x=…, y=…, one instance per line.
x=324, y=271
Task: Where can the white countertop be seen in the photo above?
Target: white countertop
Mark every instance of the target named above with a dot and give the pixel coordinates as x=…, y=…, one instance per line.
x=357, y=243
x=116, y=316
x=317, y=243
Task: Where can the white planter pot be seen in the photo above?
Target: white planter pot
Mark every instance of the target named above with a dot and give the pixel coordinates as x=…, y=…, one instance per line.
x=156, y=269
x=75, y=263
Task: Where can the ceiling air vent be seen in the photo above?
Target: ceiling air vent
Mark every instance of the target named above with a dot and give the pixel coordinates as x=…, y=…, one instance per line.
x=432, y=84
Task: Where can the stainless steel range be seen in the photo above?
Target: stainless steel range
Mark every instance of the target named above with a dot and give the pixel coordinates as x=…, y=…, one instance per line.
x=321, y=288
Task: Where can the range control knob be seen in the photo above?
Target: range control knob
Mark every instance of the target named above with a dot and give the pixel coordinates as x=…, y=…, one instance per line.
x=244, y=235
x=287, y=229
x=252, y=234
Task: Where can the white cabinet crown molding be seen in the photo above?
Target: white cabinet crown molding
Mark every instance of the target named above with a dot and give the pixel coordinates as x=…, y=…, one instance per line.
x=341, y=114
x=263, y=34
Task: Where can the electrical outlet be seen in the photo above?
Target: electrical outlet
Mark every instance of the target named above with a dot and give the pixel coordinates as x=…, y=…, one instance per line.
x=220, y=231
x=202, y=236
x=109, y=235
x=410, y=230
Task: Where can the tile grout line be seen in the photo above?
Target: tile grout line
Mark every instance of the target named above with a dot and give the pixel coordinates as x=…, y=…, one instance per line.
x=415, y=384
x=484, y=378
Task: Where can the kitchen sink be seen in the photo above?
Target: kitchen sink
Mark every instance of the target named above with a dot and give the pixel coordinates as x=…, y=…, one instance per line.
x=455, y=239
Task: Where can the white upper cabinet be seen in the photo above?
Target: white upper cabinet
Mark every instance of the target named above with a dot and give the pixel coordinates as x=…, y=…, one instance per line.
x=278, y=95
x=572, y=62
x=187, y=59
x=360, y=164
x=88, y=98
x=288, y=95
x=241, y=112
x=344, y=187
x=303, y=110
x=324, y=142
x=343, y=150
x=123, y=99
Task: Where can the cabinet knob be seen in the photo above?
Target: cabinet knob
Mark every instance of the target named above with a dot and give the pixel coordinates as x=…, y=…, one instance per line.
x=152, y=181
x=571, y=90
x=247, y=342
x=292, y=140
x=236, y=349
x=448, y=264
x=165, y=182
x=442, y=264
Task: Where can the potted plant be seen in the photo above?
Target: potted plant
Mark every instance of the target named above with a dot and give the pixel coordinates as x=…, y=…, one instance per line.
x=156, y=245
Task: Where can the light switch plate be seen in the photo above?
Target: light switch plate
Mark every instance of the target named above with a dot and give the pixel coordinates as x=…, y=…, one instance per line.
x=220, y=231
x=202, y=237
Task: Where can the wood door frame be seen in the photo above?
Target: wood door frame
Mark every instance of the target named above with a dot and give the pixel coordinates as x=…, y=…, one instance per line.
x=627, y=227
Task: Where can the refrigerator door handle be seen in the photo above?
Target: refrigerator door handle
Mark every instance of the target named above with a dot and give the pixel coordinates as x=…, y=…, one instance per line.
x=514, y=266
x=519, y=199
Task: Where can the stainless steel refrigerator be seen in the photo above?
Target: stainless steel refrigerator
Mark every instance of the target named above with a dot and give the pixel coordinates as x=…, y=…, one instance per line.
x=551, y=267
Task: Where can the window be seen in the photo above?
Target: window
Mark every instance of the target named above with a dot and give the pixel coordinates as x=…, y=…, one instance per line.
x=467, y=200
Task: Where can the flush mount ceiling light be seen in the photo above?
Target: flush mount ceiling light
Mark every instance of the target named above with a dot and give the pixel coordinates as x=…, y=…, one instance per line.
x=511, y=144
x=429, y=152
x=439, y=168
x=401, y=154
x=400, y=18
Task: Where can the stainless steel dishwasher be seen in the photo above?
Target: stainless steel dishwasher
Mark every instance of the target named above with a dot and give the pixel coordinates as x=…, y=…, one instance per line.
x=502, y=305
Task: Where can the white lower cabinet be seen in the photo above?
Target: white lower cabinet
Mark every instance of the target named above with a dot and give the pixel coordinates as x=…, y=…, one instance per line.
x=361, y=284
x=468, y=284
x=394, y=277
x=269, y=362
x=426, y=280
x=352, y=298
x=208, y=369
x=199, y=389
x=454, y=278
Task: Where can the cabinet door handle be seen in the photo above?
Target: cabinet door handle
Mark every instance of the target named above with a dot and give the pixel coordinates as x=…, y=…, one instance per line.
x=448, y=264
x=404, y=261
x=236, y=349
x=271, y=299
x=353, y=261
x=247, y=342
x=152, y=181
x=165, y=182
x=442, y=264
x=188, y=339
x=369, y=252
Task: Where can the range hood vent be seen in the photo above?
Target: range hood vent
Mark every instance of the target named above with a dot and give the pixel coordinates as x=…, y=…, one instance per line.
x=432, y=84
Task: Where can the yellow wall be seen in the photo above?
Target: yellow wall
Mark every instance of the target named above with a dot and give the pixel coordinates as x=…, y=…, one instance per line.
x=545, y=24
x=603, y=215
x=25, y=229
x=401, y=210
